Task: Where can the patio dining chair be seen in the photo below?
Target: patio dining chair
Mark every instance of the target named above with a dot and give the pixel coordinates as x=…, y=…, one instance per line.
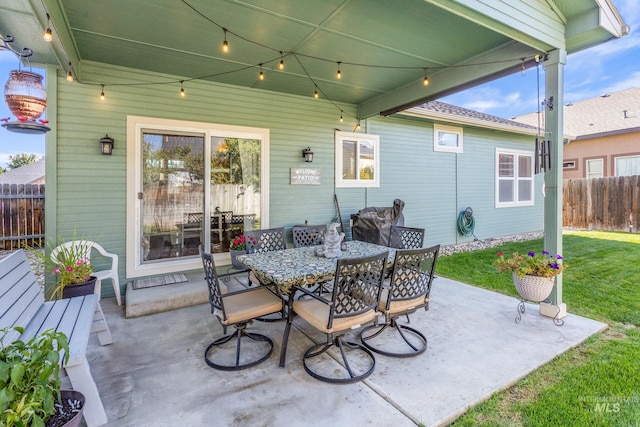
x=408, y=290
x=406, y=237
x=271, y=239
x=238, y=309
x=267, y=240
x=356, y=294
x=86, y=246
x=308, y=235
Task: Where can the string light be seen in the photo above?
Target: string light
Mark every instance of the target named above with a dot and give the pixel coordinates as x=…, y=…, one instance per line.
x=48, y=35
x=316, y=94
x=225, y=44
x=69, y=74
x=358, y=126
x=182, y=92
x=523, y=69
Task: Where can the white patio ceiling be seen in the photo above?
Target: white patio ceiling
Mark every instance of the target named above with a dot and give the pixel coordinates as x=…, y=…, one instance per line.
x=384, y=47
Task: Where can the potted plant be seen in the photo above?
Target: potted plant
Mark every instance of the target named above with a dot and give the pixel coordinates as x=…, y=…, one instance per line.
x=237, y=247
x=70, y=265
x=30, y=392
x=533, y=273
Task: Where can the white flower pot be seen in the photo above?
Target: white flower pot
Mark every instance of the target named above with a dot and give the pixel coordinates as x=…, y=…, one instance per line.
x=533, y=288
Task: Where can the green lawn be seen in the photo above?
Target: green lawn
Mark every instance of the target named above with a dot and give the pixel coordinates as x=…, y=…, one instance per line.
x=595, y=384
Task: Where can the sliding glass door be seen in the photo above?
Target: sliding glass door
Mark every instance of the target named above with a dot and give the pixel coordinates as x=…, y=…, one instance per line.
x=197, y=184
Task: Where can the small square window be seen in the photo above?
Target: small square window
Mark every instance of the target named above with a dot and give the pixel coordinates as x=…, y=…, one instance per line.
x=357, y=160
x=447, y=138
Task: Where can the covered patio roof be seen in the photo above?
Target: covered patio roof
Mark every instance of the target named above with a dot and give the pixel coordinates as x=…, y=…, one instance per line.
x=383, y=49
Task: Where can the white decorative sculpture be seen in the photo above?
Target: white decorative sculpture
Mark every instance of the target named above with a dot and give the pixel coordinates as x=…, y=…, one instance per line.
x=332, y=241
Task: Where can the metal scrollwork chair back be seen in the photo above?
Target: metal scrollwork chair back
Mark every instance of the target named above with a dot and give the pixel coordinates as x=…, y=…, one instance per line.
x=406, y=237
x=355, y=296
x=408, y=290
x=272, y=239
x=308, y=235
x=238, y=309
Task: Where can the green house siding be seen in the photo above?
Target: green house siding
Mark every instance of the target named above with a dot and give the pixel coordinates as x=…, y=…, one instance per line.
x=91, y=188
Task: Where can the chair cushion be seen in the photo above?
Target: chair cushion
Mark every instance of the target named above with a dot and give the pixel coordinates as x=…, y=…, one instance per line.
x=249, y=305
x=400, y=306
x=316, y=313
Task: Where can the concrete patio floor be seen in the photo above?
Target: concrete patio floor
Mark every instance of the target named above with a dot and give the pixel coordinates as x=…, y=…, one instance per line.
x=154, y=373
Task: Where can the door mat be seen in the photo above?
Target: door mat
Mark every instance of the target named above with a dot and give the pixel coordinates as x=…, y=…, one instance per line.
x=151, y=282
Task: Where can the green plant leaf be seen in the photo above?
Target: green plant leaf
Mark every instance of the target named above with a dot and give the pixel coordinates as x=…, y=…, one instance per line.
x=17, y=374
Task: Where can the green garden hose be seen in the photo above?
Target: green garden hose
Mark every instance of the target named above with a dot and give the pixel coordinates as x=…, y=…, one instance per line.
x=466, y=223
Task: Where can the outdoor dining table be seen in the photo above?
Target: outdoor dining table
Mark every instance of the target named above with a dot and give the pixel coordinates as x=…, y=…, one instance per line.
x=302, y=267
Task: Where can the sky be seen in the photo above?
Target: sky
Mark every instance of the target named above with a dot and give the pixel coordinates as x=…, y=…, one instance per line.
x=606, y=68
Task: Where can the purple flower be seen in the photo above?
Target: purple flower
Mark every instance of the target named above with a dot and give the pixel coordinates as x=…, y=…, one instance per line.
x=554, y=266
x=545, y=253
x=558, y=256
x=56, y=270
x=531, y=254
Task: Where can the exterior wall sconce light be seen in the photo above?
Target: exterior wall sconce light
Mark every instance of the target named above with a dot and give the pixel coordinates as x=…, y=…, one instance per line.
x=106, y=145
x=307, y=154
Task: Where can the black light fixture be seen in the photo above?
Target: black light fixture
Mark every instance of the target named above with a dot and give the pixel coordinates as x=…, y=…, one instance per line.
x=307, y=154
x=106, y=145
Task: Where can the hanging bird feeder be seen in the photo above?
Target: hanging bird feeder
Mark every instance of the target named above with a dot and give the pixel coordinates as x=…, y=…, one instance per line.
x=26, y=98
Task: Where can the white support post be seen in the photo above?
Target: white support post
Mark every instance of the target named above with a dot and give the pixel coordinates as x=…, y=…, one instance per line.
x=554, y=112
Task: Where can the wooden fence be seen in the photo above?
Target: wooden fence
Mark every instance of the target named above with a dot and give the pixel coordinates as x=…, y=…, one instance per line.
x=611, y=203
x=21, y=215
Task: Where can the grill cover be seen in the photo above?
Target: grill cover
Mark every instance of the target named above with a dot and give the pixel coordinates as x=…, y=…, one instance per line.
x=373, y=224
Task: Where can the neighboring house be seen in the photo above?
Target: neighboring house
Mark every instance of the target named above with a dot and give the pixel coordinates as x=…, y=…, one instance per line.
x=603, y=133
x=235, y=141
x=33, y=173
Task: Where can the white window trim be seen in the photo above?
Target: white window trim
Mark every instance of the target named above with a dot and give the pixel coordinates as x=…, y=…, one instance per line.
x=135, y=125
x=615, y=163
x=357, y=183
x=587, y=173
x=447, y=129
x=515, y=203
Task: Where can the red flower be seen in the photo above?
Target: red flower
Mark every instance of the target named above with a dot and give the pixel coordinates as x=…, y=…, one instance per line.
x=500, y=254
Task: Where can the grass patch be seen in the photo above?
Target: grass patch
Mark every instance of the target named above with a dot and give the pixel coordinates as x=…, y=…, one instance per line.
x=595, y=384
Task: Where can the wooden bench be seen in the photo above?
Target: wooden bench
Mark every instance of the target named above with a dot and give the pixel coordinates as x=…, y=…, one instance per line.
x=22, y=304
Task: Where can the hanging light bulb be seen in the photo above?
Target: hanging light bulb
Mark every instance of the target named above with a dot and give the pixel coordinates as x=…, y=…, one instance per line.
x=315, y=94
x=281, y=65
x=358, y=125
x=102, y=93
x=523, y=69
x=182, y=92
x=48, y=35
x=341, y=119
x=69, y=74
x=339, y=73
x=225, y=44
x=425, y=81
x=261, y=75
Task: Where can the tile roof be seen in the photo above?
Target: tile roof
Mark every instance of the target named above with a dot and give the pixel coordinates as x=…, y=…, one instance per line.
x=33, y=173
x=617, y=112
x=448, y=112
